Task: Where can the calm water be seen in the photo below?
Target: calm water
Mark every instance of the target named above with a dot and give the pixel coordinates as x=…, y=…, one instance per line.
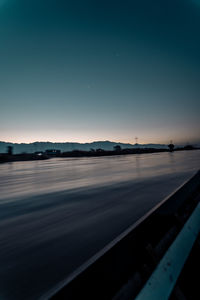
x=57, y=213
x=37, y=177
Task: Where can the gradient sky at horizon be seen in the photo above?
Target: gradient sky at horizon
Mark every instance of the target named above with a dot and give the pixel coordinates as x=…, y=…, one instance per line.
x=100, y=70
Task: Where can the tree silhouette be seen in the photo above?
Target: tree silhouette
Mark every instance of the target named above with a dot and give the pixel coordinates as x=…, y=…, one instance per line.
x=117, y=148
x=10, y=150
x=171, y=147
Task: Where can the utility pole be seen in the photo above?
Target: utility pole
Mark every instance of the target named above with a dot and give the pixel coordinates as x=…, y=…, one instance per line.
x=136, y=140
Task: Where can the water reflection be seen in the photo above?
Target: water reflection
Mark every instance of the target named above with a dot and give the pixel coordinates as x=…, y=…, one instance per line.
x=172, y=161
x=36, y=177
x=138, y=165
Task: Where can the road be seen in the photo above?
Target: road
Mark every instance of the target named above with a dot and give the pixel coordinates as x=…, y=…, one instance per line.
x=56, y=214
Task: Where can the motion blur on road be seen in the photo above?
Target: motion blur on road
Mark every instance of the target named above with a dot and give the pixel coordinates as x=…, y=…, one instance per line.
x=55, y=214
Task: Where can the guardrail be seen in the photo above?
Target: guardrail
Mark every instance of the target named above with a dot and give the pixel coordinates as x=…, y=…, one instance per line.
x=163, y=279
x=121, y=269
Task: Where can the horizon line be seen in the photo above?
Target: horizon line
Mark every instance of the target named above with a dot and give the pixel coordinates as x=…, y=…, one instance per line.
x=98, y=141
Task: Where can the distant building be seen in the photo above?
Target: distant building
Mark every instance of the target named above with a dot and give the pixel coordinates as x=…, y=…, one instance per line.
x=52, y=152
x=39, y=153
x=99, y=150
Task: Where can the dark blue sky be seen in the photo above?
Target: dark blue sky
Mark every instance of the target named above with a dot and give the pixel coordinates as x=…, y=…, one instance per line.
x=98, y=70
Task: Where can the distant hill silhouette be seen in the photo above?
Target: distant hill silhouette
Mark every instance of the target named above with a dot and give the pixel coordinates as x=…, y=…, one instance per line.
x=42, y=146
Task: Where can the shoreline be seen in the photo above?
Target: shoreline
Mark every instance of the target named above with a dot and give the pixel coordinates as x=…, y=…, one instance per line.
x=79, y=153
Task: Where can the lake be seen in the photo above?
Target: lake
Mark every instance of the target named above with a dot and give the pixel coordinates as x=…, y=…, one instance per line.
x=55, y=214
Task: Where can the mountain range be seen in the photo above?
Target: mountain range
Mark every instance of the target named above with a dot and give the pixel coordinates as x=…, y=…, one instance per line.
x=42, y=146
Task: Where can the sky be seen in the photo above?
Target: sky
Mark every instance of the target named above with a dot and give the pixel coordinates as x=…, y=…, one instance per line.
x=90, y=70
